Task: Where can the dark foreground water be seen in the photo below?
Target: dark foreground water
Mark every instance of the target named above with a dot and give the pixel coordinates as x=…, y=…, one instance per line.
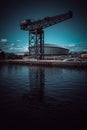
x=38, y=97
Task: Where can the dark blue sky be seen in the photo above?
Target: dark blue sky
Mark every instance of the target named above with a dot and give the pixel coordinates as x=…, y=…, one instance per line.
x=71, y=33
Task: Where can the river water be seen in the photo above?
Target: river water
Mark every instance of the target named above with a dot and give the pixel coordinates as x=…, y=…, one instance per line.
x=42, y=97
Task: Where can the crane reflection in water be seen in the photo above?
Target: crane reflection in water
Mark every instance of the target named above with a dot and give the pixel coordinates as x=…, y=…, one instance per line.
x=36, y=85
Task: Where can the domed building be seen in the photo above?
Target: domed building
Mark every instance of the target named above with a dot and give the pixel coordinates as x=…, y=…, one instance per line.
x=51, y=49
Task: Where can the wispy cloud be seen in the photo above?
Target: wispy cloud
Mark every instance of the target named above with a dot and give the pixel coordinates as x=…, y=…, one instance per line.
x=11, y=48
x=18, y=48
x=3, y=40
x=12, y=44
x=71, y=45
x=19, y=41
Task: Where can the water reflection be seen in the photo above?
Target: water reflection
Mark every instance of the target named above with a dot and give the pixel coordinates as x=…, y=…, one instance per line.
x=47, y=94
x=36, y=85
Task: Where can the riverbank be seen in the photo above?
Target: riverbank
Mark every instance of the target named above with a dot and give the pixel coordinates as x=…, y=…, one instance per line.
x=52, y=63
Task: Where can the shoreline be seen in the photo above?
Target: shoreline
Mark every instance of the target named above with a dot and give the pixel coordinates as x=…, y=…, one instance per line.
x=50, y=63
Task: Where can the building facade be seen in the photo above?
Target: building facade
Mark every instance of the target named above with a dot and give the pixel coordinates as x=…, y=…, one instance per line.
x=50, y=49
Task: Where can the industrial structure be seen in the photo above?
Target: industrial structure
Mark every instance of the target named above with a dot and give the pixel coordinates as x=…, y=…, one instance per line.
x=36, y=32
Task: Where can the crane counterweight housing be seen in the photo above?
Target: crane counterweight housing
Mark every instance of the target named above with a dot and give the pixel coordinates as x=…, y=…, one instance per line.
x=36, y=33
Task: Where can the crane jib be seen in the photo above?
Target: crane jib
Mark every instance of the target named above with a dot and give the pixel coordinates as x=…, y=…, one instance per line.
x=46, y=22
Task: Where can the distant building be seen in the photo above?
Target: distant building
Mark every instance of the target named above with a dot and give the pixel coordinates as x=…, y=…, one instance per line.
x=51, y=50
x=83, y=55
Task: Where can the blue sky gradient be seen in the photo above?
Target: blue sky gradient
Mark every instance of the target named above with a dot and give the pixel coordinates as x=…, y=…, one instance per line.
x=71, y=33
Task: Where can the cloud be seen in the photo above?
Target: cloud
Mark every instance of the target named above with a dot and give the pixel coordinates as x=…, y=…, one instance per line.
x=3, y=40
x=11, y=48
x=12, y=44
x=18, y=49
x=71, y=45
x=85, y=50
x=19, y=40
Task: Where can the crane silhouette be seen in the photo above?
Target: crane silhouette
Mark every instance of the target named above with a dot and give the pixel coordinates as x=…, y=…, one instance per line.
x=36, y=32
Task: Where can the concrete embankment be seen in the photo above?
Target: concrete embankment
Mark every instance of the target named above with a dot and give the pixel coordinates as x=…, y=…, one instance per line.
x=52, y=63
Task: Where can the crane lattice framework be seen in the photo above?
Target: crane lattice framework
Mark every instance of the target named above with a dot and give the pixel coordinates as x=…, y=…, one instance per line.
x=36, y=32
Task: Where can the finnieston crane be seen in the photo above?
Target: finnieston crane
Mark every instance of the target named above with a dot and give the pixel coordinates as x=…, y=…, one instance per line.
x=36, y=32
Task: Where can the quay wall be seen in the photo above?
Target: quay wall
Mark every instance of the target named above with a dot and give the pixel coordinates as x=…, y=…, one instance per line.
x=52, y=63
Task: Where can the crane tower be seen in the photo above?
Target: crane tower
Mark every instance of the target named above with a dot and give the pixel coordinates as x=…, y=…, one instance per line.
x=36, y=32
